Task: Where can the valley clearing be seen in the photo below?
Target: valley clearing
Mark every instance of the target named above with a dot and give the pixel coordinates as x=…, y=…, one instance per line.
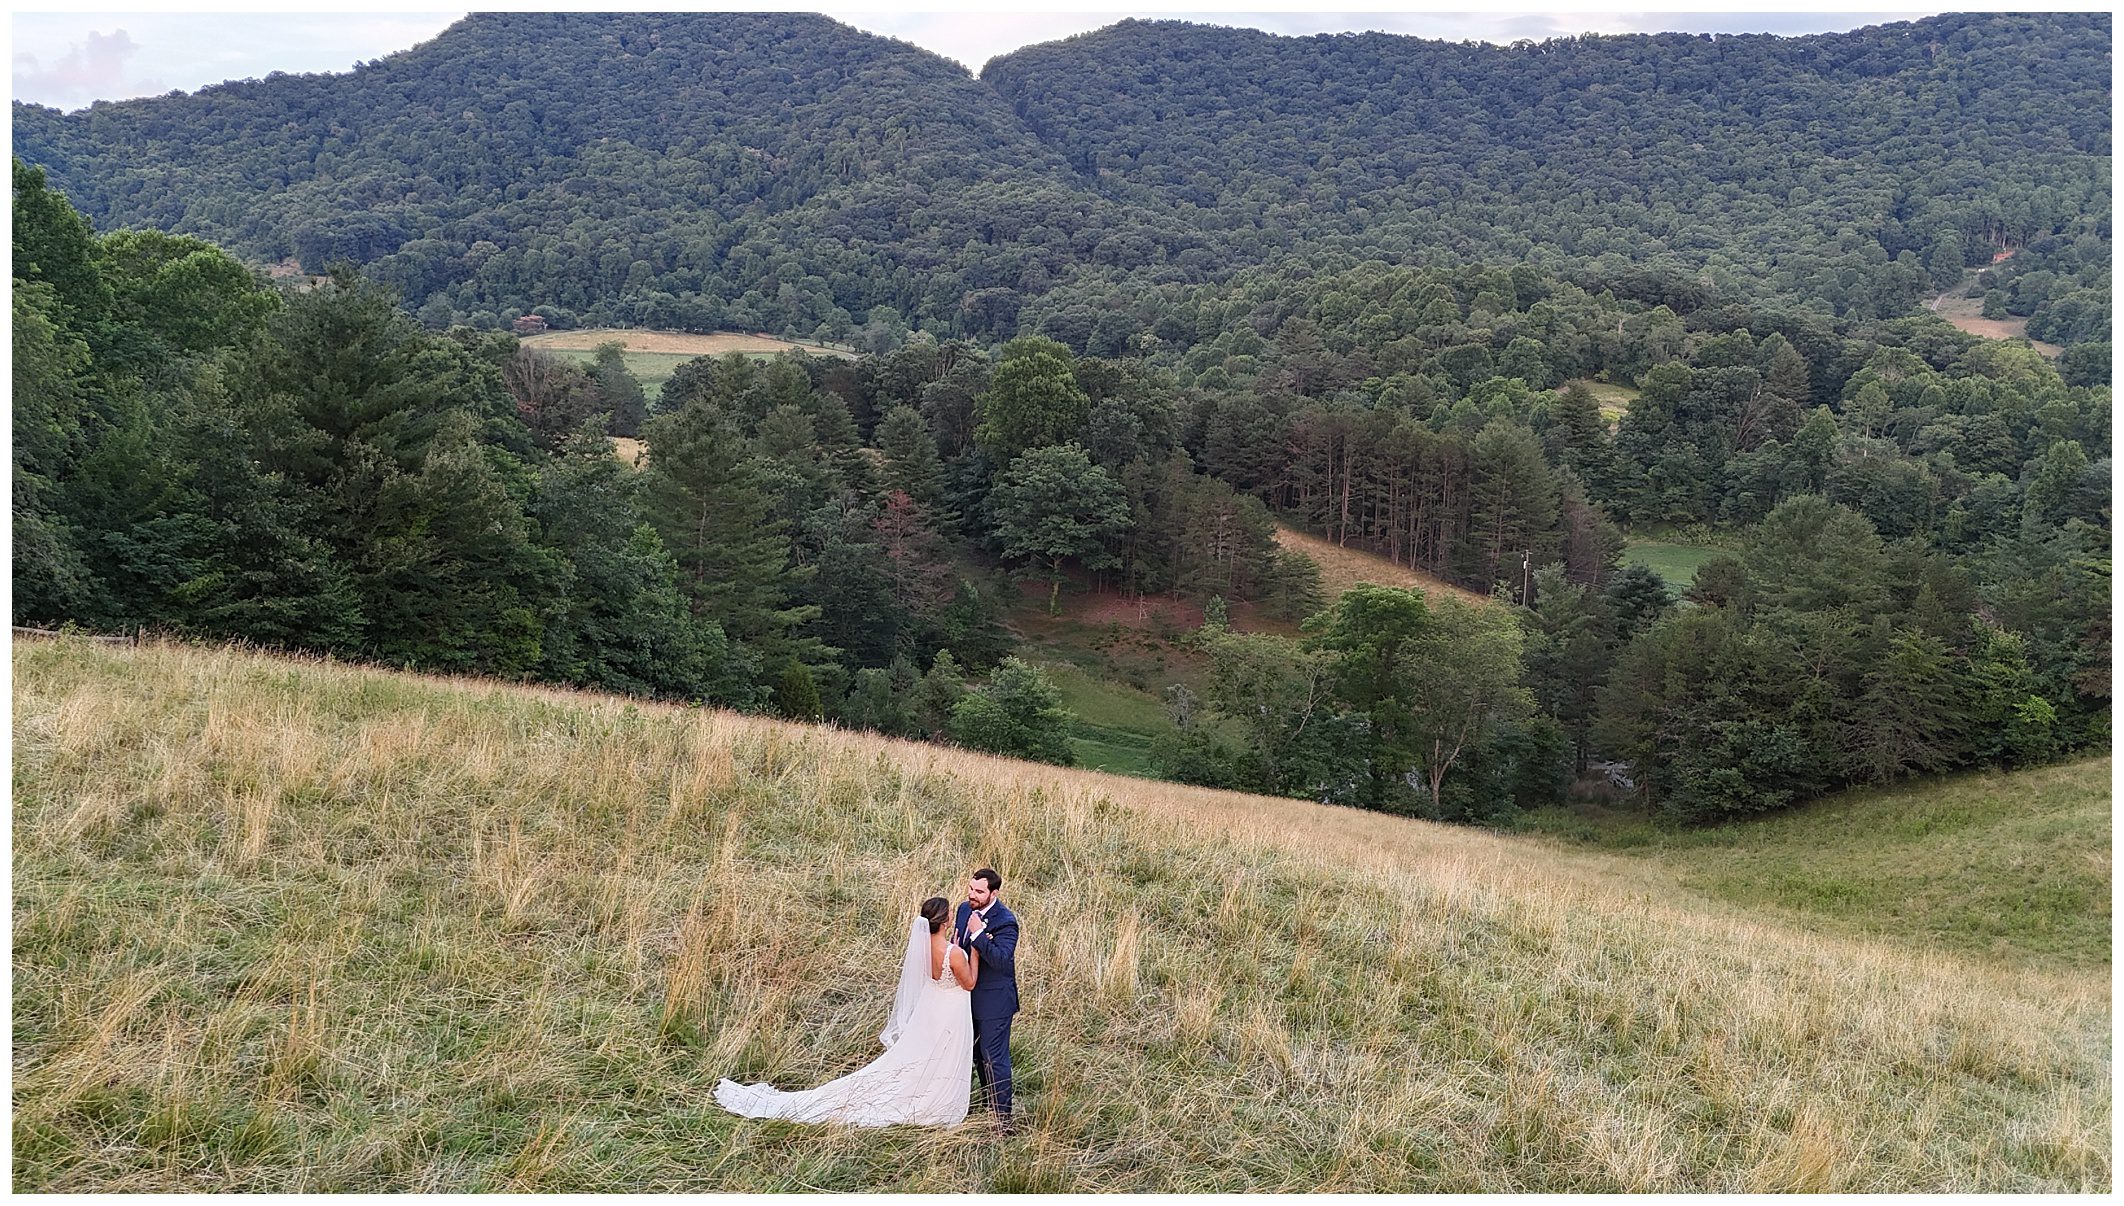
x=291, y=925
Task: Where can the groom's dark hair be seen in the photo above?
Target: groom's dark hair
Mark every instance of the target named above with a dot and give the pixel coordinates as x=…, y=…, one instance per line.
x=936, y=911
x=995, y=882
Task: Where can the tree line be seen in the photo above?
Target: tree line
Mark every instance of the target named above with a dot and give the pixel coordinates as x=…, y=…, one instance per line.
x=1919, y=519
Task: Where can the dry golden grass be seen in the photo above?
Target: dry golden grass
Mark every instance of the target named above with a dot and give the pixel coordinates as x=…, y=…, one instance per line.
x=1966, y=314
x=300, y=926
x=1342, y=568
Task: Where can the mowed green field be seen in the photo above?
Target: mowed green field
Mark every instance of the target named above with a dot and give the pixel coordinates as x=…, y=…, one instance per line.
x=2014, y=867
x=1677, y=563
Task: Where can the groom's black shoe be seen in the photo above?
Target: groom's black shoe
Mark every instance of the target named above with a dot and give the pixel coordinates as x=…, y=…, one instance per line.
x=1007, y=1125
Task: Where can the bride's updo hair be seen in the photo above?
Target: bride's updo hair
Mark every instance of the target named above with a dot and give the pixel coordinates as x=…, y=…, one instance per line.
x=936, y=911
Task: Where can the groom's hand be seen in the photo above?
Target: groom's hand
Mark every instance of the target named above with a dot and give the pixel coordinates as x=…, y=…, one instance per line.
x=975, y=927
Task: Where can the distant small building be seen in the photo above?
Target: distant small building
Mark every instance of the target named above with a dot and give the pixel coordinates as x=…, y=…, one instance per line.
x=529, y=324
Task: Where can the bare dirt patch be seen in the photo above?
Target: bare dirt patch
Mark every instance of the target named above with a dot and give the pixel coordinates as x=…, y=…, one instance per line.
x=681, y=343
x=630, y=451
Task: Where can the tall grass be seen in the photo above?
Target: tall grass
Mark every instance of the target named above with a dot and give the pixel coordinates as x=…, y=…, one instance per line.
x=298, y=926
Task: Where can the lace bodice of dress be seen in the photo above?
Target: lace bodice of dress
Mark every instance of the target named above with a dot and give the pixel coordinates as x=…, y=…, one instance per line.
x=947, y=980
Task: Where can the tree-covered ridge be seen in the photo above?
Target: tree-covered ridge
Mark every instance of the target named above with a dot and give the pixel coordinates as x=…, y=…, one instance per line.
x=787, y=173
x=682, y=170
x=1800, y=167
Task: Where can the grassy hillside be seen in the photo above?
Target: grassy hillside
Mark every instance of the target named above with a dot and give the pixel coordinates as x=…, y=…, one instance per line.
x=1342, y=567
x=2014, y=867
x=295, y=926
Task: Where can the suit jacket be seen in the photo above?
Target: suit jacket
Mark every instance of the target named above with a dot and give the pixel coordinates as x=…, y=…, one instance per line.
x=995, y=990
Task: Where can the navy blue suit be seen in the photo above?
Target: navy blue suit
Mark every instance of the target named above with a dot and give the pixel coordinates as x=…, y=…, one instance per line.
x=995, y=999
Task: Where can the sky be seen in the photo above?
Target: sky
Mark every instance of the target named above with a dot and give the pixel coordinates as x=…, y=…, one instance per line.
x=70, y=59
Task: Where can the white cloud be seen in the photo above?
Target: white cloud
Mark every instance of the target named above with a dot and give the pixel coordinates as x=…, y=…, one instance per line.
x=91, y=68
x=151, y=53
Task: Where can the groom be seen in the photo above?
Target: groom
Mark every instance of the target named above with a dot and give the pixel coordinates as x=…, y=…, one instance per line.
x=990, y=930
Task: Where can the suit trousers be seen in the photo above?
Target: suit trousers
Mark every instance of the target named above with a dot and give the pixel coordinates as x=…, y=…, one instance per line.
x=992, y=1062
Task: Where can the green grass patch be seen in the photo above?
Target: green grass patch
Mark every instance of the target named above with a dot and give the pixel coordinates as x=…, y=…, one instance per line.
x=1615, y=400
x=1130, y=756
x=1677, y=563
x=1105, y=704
x=2011, y=866
x=1116, y=725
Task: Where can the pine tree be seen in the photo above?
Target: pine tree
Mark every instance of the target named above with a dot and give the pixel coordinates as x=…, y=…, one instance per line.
x=796, y=694
x=701, y=493
x=1911, y=718
x=911, y=462
x=617, y=387
x=1513, y=501
x=937, y=694
x=623, y=623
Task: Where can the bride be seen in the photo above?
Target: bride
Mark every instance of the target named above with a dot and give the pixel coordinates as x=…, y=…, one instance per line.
x=926, y=1070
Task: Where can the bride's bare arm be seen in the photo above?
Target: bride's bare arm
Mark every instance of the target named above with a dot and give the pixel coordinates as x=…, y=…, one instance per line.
x=963, y=967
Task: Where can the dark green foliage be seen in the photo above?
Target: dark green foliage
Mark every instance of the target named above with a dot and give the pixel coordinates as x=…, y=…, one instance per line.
x=618, y=390
x=796, y=694
x=1422, y=145
x=911, y=462
x=1278, y=694
x=1636, y=596
x=2087, y=363
x=874, y=702
x=448, y=576
x=1017, y=712
x=54, y=247
x=623, y=623
x=1374, y=638
x=1053, y=505
x=703, y=495
x=1571, y=641
x=1033, y=400
x=936, y=696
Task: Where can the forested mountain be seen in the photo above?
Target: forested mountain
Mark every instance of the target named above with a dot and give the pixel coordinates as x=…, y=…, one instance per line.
x=787, y=173
x=1800, y=167
x=670, y=169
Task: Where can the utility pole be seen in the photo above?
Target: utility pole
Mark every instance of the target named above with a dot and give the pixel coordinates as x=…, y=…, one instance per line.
x=1526, y=577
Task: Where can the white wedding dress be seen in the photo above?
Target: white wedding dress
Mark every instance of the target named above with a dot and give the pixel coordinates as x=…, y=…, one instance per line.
x=923, y=1078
